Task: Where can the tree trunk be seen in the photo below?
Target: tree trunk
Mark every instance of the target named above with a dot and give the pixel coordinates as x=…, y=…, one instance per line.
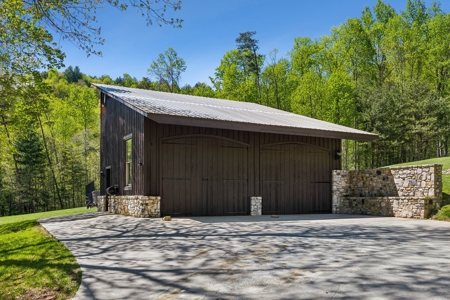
x=11, y=144
x=50, y=163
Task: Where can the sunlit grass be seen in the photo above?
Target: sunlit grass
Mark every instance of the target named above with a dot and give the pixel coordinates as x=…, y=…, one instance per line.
x=443, y=214
x=33, y=265
x=445, y=161
x=42, y=215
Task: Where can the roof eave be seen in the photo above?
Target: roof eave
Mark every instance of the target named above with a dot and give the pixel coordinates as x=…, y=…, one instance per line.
x=126, y=103
x=220, y=124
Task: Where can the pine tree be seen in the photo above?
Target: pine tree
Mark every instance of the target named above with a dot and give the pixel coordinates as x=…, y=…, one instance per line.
x=31, y=167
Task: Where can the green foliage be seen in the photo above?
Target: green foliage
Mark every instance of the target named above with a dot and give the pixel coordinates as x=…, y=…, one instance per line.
x=232, y=80
x=33, y=265
x=167, y=69
x=51, y=134
x=252, y=61
x=30, y=159
x=72, y=75
x=443, y=214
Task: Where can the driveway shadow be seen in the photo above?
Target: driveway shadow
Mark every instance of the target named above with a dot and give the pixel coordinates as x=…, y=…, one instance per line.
x=276, y=218
x=71, y=218
x=292, y=257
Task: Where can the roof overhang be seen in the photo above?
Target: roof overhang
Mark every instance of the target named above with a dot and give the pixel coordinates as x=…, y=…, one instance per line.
x=188, y=121
x=222, y=124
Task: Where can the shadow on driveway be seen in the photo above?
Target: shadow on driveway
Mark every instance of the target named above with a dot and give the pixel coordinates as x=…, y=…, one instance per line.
x=290, y=257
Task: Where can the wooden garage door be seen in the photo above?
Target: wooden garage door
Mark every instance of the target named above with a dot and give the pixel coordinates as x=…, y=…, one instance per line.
x=295, y=179
x=204, y=176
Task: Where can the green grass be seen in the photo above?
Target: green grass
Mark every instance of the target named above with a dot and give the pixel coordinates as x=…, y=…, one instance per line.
x=443, y=214
x=445, y=161
x=48, y=214
x=33, y=265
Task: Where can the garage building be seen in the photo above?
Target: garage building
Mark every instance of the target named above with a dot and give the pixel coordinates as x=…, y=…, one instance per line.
x=207, y=157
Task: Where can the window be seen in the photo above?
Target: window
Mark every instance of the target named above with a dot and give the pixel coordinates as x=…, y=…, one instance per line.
x=128, y=162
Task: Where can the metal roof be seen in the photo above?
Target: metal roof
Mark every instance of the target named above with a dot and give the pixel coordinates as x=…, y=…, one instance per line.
x=188, y=110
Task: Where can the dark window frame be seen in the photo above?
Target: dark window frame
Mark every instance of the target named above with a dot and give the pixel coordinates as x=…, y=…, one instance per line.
x=128, y=146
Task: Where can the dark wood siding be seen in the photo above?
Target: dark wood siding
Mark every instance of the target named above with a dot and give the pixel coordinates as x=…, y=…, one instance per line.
x=204, y=176
x=118, y=121
x=155, y=133
x=295, y=179
x=303, y=163
x=211, y=171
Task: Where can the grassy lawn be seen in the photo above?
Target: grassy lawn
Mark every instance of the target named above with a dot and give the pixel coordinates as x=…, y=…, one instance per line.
x=33, y=265
x=444, y=212
x=445, y=161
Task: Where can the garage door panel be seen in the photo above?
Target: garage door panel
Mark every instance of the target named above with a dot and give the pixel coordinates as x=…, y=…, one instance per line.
x=306, y=173
x=272, y=191
x=176, y=176
x=234, y=196
x=217, y=170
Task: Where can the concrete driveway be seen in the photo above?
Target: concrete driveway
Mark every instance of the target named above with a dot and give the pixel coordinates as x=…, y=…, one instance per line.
x=291, y=257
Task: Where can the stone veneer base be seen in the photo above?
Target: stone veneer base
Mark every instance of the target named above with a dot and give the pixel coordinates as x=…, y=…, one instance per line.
x=135, y=206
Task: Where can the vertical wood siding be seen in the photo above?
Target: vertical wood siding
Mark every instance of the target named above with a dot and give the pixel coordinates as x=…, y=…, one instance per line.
x=204, y=175
x=118, y=121
x=294, y=179
x=208, y=171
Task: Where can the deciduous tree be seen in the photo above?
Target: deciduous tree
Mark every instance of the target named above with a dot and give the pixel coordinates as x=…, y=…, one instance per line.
x=168, y=68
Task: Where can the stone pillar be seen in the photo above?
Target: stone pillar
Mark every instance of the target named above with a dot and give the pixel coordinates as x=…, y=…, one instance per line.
x=101, y=203
x=256, y=206
x=155, y=206
x=340, y=188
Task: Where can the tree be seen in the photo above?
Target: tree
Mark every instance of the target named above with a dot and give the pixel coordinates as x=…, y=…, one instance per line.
x=72, y=75
x=168, y=68
x=75, y=21
x=31, y=162
x=275, y=85
x=145, y=84
x=231, y=80
x=248, y=47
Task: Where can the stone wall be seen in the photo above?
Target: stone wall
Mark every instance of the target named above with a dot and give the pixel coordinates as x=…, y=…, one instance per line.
x=404, y=207
x=135, y=206
x=407, y=191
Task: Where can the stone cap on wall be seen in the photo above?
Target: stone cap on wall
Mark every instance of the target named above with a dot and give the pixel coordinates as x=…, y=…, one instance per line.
x=396, y=167
x=411, y=166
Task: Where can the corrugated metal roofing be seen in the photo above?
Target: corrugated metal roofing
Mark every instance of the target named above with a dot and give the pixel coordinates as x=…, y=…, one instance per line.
x=186, y=110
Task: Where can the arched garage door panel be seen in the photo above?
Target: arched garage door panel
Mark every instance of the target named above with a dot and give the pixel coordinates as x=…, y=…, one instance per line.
x=295, y=179
x=204, y=176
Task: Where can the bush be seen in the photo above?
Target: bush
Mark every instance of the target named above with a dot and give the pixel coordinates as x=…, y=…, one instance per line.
x=443, y=214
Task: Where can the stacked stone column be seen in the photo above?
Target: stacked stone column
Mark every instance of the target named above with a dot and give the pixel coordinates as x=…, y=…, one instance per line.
x=255, y=206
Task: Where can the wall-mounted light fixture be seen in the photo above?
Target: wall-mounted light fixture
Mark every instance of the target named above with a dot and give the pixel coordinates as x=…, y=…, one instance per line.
x=101, y=173
x=338, y=154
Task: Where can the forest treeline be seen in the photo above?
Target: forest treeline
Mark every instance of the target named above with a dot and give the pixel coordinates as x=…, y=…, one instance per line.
x=386, y=72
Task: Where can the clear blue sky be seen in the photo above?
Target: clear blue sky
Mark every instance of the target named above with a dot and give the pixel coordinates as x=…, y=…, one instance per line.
x=209, y=30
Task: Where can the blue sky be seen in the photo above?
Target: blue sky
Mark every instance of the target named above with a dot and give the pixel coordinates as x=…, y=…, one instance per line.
x=209, y=30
